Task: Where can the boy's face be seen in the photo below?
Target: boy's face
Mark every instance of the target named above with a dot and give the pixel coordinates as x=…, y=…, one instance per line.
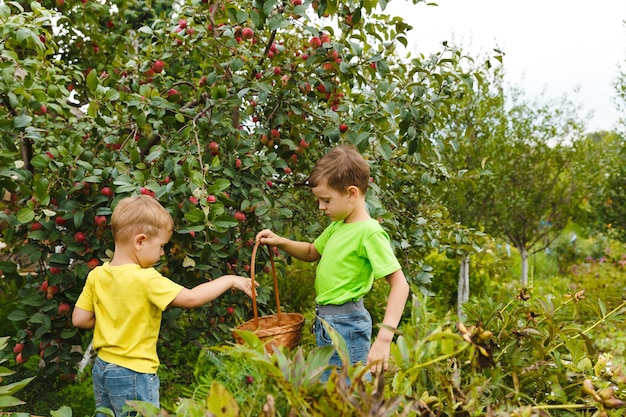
x=152, y=248
x=336, y=205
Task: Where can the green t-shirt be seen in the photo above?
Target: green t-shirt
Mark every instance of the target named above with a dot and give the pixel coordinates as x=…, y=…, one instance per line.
x=128, y=302
x=353, y=255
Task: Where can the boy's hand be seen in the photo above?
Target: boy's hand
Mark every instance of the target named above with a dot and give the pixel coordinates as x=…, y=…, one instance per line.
x=378, y=356
x=268, y=237
x=244, y=284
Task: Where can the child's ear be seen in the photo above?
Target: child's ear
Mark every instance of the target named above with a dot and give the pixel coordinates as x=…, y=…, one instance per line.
x=353, y=191
x=138, y=240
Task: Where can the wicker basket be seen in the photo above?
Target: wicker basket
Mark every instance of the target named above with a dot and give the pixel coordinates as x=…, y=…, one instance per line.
x=280, y=329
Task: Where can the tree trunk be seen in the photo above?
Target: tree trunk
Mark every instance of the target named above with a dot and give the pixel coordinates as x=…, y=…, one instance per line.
x=463, y=290
x=524, y=257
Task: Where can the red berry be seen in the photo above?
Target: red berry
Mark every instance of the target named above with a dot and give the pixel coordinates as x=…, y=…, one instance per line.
x=106, y=191
x=247, y=33
x=36, y=226
x=44, y=286
x=79, y=237
x=60, y=221
x=55, y=270
x=211, y=199
x=343, y=127
x=240, y=216
x=315, y=42
x=92, y=263
x=18, y=348
x=158, y=66
x=230, y=310
x=19, y=358
x=64, y=308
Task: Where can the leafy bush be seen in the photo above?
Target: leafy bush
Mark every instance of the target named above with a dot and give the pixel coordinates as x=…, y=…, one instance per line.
x=7, y=390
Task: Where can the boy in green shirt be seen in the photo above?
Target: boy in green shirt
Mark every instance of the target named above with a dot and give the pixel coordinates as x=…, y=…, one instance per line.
x=123, y=301
x=352, y=251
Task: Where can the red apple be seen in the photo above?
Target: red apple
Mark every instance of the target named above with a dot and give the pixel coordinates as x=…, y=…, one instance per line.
x=92, y=263
x=19, y=358
x=315, y=42
x=60, y=221
x=64, y=308
x=44, y=286
x=247, y=33
x=240, y=216
x=275, y=134
x=101, y=221
x=158, y=66
x=287, y=170
x=211, y=199
x=237, y=163
x=146, y=191
x=79, y=237
x=173, y=95
x=36, y=226
x=107, y=192
x=18, y=348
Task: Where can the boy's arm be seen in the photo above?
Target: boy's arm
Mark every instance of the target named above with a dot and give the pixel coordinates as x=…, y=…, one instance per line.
x=399, y=293
x=209, y=291
x=304, y=251
x=83, y=319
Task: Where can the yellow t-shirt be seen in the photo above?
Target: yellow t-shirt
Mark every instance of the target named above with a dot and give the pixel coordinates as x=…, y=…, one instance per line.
x=128, y=302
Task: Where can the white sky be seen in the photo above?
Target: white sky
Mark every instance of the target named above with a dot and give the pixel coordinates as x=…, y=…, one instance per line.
x=559, y=46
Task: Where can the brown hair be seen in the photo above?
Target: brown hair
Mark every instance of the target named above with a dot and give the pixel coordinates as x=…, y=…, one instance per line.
x=341, y=168
x=140, y=214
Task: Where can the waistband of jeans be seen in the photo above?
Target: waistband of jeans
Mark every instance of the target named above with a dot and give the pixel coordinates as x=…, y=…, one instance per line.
x=349, y=307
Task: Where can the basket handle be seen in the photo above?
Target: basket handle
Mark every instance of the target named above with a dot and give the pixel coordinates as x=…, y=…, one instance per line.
x=252, y=265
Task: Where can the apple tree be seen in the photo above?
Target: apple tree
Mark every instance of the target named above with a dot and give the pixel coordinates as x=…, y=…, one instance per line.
x=218, y=109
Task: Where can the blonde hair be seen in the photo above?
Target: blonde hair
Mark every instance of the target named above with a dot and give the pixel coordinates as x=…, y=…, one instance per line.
x=341, y=168
x=140, y=214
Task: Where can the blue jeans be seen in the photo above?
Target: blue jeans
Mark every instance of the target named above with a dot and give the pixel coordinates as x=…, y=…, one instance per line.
x=356, y=329
x=113, y=385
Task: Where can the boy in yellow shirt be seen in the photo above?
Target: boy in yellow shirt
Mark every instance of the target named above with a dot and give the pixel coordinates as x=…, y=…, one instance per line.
x=123, y=301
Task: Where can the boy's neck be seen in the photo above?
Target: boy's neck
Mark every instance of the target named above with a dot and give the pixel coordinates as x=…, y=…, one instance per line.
x=359, y=214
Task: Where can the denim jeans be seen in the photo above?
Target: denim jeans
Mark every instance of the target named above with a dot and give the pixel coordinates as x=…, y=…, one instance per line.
x=113, y=385
x=356, y=330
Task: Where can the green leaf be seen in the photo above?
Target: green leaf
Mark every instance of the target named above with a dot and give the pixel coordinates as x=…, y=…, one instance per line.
x=14, y=387
x=25, y=215
x=92, y=81
x=195, y=216
x=112, y=94
x=41, y=188
x=22, y=121
x=8, y=401
x=64, y=411
x=17, y=315
x=221, y=402
x=218, y=186
x=40, y=161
